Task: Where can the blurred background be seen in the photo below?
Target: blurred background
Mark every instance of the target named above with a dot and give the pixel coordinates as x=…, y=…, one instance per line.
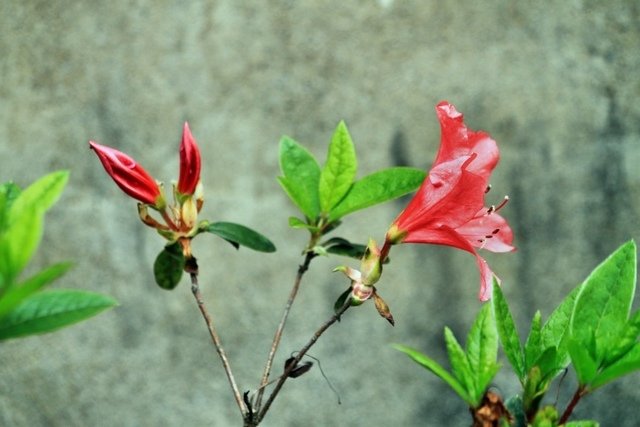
x=555, y=83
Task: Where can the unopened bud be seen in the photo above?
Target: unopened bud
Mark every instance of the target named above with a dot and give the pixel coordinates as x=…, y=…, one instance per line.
x=189, y=213
x=370, y=265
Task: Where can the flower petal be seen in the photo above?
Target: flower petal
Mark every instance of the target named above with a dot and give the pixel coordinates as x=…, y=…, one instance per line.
x=488, y=231
x=189, y=163
x=457, y=140
x=450, y=195
x=449, y=237
x=127, y=174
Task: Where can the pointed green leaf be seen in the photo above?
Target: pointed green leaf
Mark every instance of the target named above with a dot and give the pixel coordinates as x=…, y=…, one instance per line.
x=602, y=307
x=339, y=171
x=378, y=187
x=48, y=311
x=555, y=332
x=508, y=332
x=583, y=423
x=343, y=247
x=42, y=194
x=434, y=367
x=628, y=363
x=342, y=300
x=298, y=223
x=460, y=366
x=533, y=346
x=19, y=242
x=18, y=293
x=586, y=368
x=168, y=266
x=301, y=177
x=627, y=339
x=9, y=192
x=241, y=235
x=482, y=349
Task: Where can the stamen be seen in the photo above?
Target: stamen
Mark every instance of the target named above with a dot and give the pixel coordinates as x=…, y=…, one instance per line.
x=487, y=189
x=504, y=202
x=494, y=208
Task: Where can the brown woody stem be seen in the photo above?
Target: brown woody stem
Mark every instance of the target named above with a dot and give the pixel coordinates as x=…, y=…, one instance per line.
x=292, y=365
x=280, y=329
x=195, y=289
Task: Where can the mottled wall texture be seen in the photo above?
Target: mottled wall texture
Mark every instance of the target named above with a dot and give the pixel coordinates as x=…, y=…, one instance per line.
x=555, y=83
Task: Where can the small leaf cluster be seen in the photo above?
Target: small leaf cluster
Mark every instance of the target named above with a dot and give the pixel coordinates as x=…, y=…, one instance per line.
x=592, y=330
x=24, y=308
x=324, y=195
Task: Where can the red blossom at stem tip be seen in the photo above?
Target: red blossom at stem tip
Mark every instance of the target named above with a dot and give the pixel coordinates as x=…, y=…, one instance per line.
x=189, y=163
x=448, y=209
x=128, y=174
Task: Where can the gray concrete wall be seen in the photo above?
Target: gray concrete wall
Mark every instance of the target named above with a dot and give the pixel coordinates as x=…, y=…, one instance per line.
x=555, y=83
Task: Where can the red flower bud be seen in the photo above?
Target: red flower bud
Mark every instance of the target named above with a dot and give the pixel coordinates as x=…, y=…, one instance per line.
x=189, y=163
x=127, y=174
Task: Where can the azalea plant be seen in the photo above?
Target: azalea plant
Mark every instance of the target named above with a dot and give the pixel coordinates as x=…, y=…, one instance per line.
x=449, y=208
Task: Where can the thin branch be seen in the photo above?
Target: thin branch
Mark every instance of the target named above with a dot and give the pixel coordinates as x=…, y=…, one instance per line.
x=581, y=391
x=278, y=335
x=195, y=289
x=299, y=357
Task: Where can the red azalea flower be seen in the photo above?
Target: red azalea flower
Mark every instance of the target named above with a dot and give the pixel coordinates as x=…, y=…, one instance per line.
x=448, y=208
x=127, y=174
x=189, y=163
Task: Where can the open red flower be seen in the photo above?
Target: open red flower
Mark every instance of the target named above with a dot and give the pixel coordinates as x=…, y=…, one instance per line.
x=128, y=174
x=189, y=163
x=448, y=208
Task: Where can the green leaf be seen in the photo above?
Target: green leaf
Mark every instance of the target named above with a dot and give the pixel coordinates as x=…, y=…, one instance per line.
x=168, y=266
x=583, y=423
x=586, y=368
x=342, y=300
x=436, y=368
x=42, y=194
x=628, y=339
x=461, y=366
x=555, y=332
x=343, y=247
x=9, y=192
x=18, y=293
x=19, y=242
x=301, y=177
x=507, y=332
x=241, y=235
x=23, y=223
x=298, y=223
x=48, y=311
x=339, y=171
x=482, y=349
x=533, y=345
x=628, y=363
x=377, y=188
x=602, y=307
